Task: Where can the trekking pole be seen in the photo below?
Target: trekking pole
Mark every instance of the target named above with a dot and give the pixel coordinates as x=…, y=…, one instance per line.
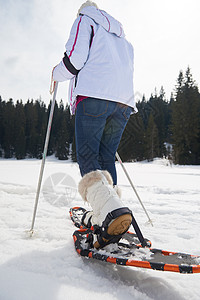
x=131, y=183
x=44, y=155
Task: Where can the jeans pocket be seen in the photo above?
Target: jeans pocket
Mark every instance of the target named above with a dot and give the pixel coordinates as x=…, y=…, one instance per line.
x=94, y=107
x=127, y=112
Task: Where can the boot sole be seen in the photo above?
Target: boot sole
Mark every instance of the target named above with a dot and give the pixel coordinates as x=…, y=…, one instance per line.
x=118, y=226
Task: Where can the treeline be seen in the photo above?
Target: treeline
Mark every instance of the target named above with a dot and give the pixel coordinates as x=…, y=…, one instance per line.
x=161, y=128
x=166, y=128
x=23, y=130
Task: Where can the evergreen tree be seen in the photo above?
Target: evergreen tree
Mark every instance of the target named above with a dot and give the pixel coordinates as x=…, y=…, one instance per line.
x=185, y=121
x=63, y=134
x=144, y=109
x=31, y=129
x=54, y=129
x=19, y=131
x=8, y=125
x=41, y=127
x=132, y=144
x=2, y=107
x=160, y=113
x=152, y=139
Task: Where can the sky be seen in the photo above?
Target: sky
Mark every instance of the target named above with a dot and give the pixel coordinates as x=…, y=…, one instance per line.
x=33, y=34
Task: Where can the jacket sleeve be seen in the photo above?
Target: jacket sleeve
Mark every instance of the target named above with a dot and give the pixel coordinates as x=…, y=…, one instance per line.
x=77, y=50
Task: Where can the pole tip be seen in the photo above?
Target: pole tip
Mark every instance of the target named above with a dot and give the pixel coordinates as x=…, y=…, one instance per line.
x=29, y=233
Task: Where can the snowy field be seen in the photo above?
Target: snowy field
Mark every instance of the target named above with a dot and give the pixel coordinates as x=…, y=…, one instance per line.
x=47, y=267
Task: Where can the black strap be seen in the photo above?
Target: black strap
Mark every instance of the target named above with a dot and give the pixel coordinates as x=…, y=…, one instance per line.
x=89, y=224
x=139, y=233
x=69, y=65
x=115, y=214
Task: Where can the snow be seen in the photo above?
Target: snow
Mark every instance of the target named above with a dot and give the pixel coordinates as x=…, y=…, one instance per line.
x=47, y=266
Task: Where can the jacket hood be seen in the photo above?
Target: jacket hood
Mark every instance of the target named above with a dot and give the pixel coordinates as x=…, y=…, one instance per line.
x=104, y=19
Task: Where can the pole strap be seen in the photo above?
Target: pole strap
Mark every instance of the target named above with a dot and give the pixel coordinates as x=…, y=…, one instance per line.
x=53, y=83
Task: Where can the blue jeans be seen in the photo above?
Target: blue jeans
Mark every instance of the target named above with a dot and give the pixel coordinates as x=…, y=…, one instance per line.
x=99, y=125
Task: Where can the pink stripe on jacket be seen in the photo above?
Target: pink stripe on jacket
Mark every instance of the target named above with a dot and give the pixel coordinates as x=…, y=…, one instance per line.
x=75, y=38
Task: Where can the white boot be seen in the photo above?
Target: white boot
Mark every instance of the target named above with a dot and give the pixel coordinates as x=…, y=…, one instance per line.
x=87, y=217
x=109, y=213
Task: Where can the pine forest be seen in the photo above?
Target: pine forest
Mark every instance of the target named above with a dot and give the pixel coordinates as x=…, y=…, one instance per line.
x=162, y=127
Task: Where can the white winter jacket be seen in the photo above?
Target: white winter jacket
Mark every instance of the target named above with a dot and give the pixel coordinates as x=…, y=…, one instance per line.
x=98, y=59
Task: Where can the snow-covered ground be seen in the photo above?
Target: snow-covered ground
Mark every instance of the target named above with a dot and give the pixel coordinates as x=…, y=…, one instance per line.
x=47, y=266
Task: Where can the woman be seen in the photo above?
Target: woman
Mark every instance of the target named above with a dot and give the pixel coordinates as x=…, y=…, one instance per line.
x=99, y=63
